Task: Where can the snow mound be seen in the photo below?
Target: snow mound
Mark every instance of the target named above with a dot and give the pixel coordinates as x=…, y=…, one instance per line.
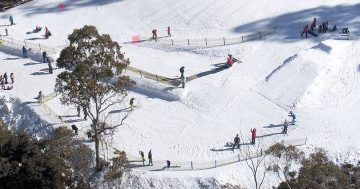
x=288, y=83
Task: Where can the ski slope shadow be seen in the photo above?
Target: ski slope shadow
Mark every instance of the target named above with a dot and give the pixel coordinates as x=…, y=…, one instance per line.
x=289, y=24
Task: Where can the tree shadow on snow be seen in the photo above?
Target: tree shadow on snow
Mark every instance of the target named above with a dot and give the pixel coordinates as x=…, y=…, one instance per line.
x=67, y=5
x=289, y=25
x=40, y=73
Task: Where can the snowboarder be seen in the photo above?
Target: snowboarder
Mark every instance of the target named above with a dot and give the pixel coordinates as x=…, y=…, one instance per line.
x=168, y=31
x=293, y=117
x=236, y=142
x=230, y=60
x=182, y=71
x=75, y=129
x=142, y=157
x=37, y=29
x=78, y=109
x=50, y=67
x=12, y=78
x=47, y=33
x=306, y=30
x=150, y=158
x=24, y=51
x=168, y=163
x=6, y=32
x=132, y=106
x=44, y=54
x=5, y=78
x=253, y=135
x=11, y=19
x=286, y=124
x=313, y=25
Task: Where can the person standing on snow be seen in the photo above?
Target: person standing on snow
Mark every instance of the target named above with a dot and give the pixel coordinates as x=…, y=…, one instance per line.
x=50, y=67
x=168, y=31
x=5, y=78
x=142, y=157
x=2, y=82
x=6, y=32
x=253, y=135
x=313, y=25
x=24, y=51
x=286, y=124
x=75, y=129
x=11, y=19
x=12, y=78
x=236, y=142
x=306, y=30
x=150, y=158
x=44, y=55
x=182, y=71
x=132, y=106
x=293, y=117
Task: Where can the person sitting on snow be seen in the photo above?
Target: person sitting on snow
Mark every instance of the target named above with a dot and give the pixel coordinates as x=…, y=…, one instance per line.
x=37, y=29
x=230, y=60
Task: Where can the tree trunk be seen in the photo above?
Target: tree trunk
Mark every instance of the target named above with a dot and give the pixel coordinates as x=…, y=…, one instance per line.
x=97, y=153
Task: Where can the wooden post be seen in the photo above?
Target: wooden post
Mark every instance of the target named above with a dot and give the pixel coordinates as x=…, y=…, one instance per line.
x=188, y=42
x=215, y=163
x=39, y=46
x=275, y=28
x=305, y=140
x=242, y=39
x=224, y=40
x=192, y=165
x=157, y=79
x=239, y=157
x=205, y=41
x=141, y=74
x=172, y=42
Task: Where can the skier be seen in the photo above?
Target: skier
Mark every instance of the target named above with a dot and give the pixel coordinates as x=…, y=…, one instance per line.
x=5, y=78
x=253, y=135
x=6, y=32
x=75, y=129
x=313, y=25
x=182, y=71
x=236, y=142
x=150, y=158
x=168, y=31
x=12, y=78
x=44, y=54
x=286, y=124
x=293, y=117
x=306, y=30
x=142, y=157
x=132, y=106
x=11, y=20
x=230, y=60
x=78, y=109
x=168, y=163
x=50, y=67
x=24, y=50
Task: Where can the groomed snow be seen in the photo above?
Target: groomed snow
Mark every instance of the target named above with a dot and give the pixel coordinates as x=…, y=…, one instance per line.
x=317, y=78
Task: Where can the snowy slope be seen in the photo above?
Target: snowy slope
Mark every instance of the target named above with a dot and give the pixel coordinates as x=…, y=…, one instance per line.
x=317, y=78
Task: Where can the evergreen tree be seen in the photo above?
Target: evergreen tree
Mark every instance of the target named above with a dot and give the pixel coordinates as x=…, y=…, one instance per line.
x=93, y=79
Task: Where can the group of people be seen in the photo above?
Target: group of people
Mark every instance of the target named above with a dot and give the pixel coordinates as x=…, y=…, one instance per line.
x=4, y=81
x=149, y=157
x=253, y=131
x=154, y=33
x=323, y=28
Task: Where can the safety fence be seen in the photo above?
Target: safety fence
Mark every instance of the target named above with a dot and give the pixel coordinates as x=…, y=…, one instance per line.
x=210, y=42
x=197, y=165
x=34, y=47
x=144, y=74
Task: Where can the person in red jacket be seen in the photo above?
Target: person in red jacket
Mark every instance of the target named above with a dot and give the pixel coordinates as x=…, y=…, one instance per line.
x=230, y=60
x=253, y=135
x=306, y=30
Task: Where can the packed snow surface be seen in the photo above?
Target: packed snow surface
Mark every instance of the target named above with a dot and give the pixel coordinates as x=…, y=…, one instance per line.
x=317, y=78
